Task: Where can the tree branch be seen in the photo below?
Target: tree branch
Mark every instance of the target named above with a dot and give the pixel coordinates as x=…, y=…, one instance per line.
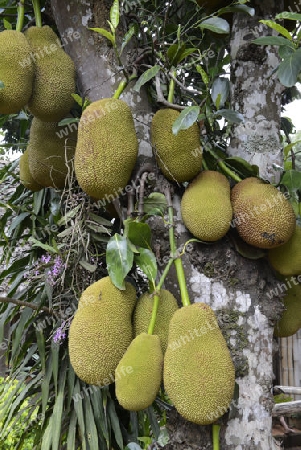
x=26, y=304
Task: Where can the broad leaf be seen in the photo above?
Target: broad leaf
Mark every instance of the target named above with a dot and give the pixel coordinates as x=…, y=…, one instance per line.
x=230, y=115
x=119, y=258
x=146, y=260
x=289, y=69
x=280, y=29
x=288, y=15
x=145, y=77
x=155, y=204
x=138, y=233
x=237, y=8
x=273, y=40
x=216, y=24
x=241, y=166
x=220, y=91
x=187, y=118
x=105, y=33
x=114, y=14
x=128, y=36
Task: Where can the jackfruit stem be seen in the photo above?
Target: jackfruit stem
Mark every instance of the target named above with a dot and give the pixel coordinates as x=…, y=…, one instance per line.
x=223, y=166
x=20, y=18
x=156, y=297
x=121, y=87
x=172, y=84
x=173, y=251
x=215, y=436
x=37, y=12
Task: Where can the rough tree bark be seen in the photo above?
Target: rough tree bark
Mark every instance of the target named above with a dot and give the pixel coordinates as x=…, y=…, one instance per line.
x=234, y=286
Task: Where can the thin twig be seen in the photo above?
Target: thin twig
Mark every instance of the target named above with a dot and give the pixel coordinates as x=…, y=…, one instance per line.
x=27, y=304
x=161, y=99
x=191, y=91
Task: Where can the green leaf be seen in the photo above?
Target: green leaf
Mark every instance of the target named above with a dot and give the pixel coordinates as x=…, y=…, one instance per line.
x=87, y=266
x=17, y=221
x=119, y=258
x=230, y=115
x=289, y=69
x=68, y=120
x=237, y=8
x=78, y=406
x=105, y=33
x=7, y=24
x=114, y=14
x=288, y=15
x=216, y=24
x=128, y=36
x=41, y=348
x=55, y=349
x=145, y=77
x=155, y=204
x=280, y=29
x=47, y=436
x=241, y=166
x=220, y=91
x=138, y=233
x=187, y=118
x=58, y=408
x=70, y=215
x=40, y=244
x=71, y=431
x=147, y=262
x=91, y=430
x=79, y=99
x=273, y=40
x=115, y=423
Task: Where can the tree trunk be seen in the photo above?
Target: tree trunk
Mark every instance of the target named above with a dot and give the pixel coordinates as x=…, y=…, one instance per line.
x=234, y=286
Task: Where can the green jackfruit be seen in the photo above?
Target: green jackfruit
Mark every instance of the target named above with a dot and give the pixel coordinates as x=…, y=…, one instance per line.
x=143, y=313
x=54, y=81
x=106, y=150
x=178, y=156
x=206, y=207
x=16, y=71
x=49, y=155
x=263, y=216
x=290, y=321
x=139, y=373
x=286, y=259
x=25, y=176
x=199, y=374
x=100, y=332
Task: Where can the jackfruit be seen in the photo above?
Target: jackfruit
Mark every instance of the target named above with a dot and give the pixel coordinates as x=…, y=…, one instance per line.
x=178, y=156
x=25, y=176
x=199, y=375
x=16, y=71
x=263, y=216
x=290, y=321
x=54, y=81
x=49, y=155
x=143, y=313
x=286, y=259
x=206, y=207
x=101, y=331
x=143, y=363
x=106, y=150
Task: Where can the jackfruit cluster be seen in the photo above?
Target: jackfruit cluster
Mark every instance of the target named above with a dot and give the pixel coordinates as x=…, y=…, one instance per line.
x=286, y=259
x=143, y=313
x=25, y=176
x=54, y=80
x=178, y=156
x=290, y=321
x=205, y=206
x=263, y=216
x=49, y=156
x=139, y=387
x=14, y=73
x=107, y=148
x=199, y=374
x=101, y=331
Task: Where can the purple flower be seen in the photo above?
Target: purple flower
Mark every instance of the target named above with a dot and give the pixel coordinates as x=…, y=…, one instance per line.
x=45, y=258
x=59, y=335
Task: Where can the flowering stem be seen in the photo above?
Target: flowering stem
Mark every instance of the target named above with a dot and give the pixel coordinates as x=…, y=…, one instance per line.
x=37, y=12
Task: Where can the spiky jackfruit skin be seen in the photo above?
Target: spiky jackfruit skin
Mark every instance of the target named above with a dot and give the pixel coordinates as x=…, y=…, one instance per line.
x=205, y=206
x=290, y=321
x=104, y=290
x=54, y=81
x=50, y=157
x=137, y=389
x=263, y=217
x=178, y=156
x=143, y=312
x=16, y=71
x=106, y=150
x=286, y=259
x=100, y=333
x=199, y=374
x=25, y=176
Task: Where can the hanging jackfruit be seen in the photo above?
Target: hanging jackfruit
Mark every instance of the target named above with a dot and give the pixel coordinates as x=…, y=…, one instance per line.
x=25, y=176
